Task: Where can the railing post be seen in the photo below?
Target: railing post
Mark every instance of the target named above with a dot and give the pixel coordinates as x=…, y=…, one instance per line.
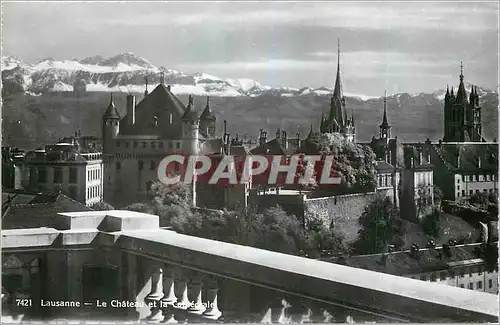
x=181, y=292
x=279, y=311
x=169, y=299
x=297, y=311
x=154, y=297
x=196, y=304
x=212, y=312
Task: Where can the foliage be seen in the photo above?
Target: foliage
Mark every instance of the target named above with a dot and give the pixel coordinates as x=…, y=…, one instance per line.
x=380, y=226
x=479, y=199
x=354, y=163
x=102, y=206
x=424, y=198
x=273, y=229
x=431, y=224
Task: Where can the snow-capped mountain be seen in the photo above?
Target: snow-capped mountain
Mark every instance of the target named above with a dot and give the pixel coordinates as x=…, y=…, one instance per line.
x=127, y=72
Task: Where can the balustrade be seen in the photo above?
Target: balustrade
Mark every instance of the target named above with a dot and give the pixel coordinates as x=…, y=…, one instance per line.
x=196, y=304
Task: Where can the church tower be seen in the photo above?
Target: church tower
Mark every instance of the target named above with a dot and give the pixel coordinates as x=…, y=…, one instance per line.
x=385, y=128
x=337, y=119
x=110, y=126
x=462, y=114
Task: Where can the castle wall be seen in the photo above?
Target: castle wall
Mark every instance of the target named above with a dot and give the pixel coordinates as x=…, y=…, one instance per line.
x=343, y=211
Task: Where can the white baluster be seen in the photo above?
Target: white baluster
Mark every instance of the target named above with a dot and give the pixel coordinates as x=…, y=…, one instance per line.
x=283, y=317
x=168, y=289
x=182, y=294
x=197, y=306
x=153, y=298
x=212, y=312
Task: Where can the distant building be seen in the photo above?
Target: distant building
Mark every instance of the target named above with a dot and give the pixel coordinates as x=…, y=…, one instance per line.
x=67, y=167
x=79, y=87
x=465, y=168
x=22, y=209
x=417, y=179
x=388, y=181
x=12, y=159
x=463, y=266
x=462, y=116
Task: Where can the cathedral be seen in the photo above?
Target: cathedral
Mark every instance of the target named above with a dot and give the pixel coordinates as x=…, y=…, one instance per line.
x=462, y=116
x=337, y=120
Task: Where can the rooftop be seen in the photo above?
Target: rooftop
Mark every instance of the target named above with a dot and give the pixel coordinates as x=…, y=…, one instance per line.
x=468, y=157
x=403, y=263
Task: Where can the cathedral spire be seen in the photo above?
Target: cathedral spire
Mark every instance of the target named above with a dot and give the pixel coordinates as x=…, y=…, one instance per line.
x=385, y=124
x=461, y=94
x=146, y=91
x=337, y=91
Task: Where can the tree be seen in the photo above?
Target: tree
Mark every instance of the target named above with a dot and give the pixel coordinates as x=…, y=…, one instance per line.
x=380, y=226
x=424, y=198
x=430, y=223
x=102, y=206
x=479, y=199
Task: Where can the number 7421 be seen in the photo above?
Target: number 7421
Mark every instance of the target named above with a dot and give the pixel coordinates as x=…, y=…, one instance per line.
x=24, y=302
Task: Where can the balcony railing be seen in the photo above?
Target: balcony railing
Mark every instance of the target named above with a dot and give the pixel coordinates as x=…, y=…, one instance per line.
x=189, y=278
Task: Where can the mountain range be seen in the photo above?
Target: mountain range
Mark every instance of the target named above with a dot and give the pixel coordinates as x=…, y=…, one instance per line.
x=126, y=72
x=39, y=106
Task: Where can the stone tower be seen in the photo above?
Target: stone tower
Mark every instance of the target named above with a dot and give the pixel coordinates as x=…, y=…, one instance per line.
x=207, y=121
x=462, y=114
x=110, y=126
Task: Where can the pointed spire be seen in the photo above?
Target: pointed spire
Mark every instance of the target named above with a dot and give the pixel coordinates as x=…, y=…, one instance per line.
x=146, y=91
x=447, y=91
x=310, y=132
x=337, y=91
x=461, y=94
x=162, y=80
x=385, y=124
x=111, y=112
x=452, y=95
x=190, y=114
x=207, y=112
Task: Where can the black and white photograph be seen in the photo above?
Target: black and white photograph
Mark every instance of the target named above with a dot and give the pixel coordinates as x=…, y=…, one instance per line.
x=249, y=162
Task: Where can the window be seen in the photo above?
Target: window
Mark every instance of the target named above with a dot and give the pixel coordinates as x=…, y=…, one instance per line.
x=462, y=273
x=42, y=175
x=160, y=145
x=141, y=165
x=118, y=165
x=471, y=192
x=463, y=192
x=144, y=144
x=73, y=191
x=462, y=286
x=462, y=178
x=471, y=286
x=135, y=144
x=126, y=144
x=152, y=165
x=73, y=175
x=433, y=277
x=423, y=277
x=452, y=274
x=170, y=146
x=152, y=145
x=477, y=191
x=57, y=175
x=490, y=283
x=118, y=144
x=178, y=145
x=442, y=276
x=458, y=188
x=479, y=284
x=458, y=181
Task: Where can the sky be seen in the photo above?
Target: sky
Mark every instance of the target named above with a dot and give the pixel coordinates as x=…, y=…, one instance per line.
x=395, y=46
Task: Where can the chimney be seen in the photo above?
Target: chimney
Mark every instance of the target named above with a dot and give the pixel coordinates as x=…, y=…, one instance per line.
x=420, y=157
x=131, y=109
x=298, y=139
x=168, y=88
x=412, y=162
x=478, y=162
x=284, y=140
x=262, y=137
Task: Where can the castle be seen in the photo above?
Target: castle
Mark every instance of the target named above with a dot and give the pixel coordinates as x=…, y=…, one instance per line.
x=160, y=124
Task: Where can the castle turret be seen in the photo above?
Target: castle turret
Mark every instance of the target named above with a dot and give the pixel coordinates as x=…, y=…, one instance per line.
x=110, y=126
x=190, y=127
x=208, y=120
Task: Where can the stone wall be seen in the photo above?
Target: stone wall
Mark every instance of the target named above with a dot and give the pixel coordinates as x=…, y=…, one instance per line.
x=343, y=211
